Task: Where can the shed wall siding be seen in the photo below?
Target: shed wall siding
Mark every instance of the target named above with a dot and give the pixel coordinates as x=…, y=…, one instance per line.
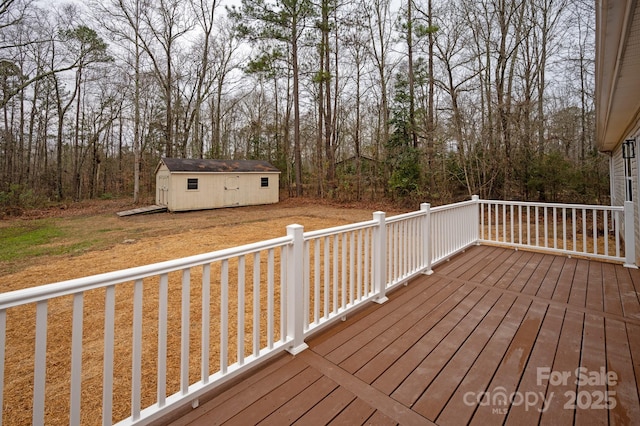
x=217, y=190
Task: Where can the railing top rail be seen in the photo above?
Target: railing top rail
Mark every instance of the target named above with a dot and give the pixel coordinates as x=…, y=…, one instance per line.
x=339, y=229
x=453, y=206
x=65, y=288
x=405, y=216
x=557, y=205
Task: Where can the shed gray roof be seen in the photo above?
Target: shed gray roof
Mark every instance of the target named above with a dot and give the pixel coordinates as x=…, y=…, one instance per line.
x=217, y=166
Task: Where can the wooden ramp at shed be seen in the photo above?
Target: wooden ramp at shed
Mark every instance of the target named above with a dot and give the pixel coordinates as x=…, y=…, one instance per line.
x=143, y=210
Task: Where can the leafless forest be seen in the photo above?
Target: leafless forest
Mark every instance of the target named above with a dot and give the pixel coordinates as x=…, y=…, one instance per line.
x=429, y=100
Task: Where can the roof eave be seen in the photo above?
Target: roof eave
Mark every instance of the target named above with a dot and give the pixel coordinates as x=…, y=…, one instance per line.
x=617, y=67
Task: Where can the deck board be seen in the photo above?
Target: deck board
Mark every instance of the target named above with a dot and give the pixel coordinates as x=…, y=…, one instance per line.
x=550, y=281
x=327, y=409
x=413, y=385
x=628, y=295
x=565, y=281
x=533, y=284
x=458, y=410
x=436, y=362
x=273, y=401
x=619, y=360
x=438, y=393
x=593, y=357
x=612, y=301
x=514, y=270
x=301, y=402
x=489, y=320
x=494, y=271
x=395, y=322
x=344, y=335
x=578, y=293
x=635, y=279
x=476, y=266
x=526, y=273
x=566, y=359
x=543, y=354
x=384, y=361
x=512, y=366
x=392, y=377
x=594, y=288
x=357, y=412
x=409, y=323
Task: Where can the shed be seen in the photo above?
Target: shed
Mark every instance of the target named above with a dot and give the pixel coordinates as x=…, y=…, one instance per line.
x=194, y=184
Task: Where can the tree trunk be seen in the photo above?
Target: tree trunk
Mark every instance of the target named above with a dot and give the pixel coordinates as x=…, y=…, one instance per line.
x=328, y=119
x=430, y=113
x=412, y=95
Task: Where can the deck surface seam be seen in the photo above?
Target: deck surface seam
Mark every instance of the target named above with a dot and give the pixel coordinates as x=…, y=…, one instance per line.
x=362, y=390
x=568, y=306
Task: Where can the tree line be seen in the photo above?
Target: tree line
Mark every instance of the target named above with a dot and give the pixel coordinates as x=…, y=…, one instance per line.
x=414, y=100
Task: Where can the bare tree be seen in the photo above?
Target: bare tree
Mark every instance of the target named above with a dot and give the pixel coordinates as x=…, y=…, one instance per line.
x=380, y=21
x=357, y=44
x=122, y=19
x=493, y=85
x=283, y=22
x=165, y=23
x=205, y=16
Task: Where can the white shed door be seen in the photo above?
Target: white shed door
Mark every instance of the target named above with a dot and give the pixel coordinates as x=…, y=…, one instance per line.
x=163, y=191
x=231, y=189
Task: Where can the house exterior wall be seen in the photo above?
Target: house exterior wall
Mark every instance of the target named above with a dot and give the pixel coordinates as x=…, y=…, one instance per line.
x=617, y=94
x=617, y=177
x=617, y=174
x=635, y=179
x=214, y=190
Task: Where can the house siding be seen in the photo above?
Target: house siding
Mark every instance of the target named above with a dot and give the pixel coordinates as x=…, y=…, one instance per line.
x=619, y=185
x=617, y=110
x=617, y=178
x=635, y=179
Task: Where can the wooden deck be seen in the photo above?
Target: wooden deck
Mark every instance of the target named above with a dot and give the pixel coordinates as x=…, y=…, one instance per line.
x=489, y=323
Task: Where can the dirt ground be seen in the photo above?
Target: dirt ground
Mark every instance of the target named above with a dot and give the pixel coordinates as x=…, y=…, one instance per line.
x=112, y=243
x=125, y=242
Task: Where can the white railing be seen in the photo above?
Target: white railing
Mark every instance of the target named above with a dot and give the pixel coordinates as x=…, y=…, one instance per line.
x=172, y=331
x=407, y=242
x=339, y=271
x=572, y=229
x=184, y=326
x=454, y=228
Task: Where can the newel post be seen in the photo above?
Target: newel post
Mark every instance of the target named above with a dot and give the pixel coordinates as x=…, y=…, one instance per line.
x=380, y=256
x=426, y=237
x=476, y=218
x=295, y=290
x=629, y=235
